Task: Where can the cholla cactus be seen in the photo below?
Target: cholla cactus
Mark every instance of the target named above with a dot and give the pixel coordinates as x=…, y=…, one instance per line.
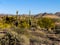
x=24, y=40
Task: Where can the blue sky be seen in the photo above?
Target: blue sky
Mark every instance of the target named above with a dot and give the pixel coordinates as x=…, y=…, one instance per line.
x=23, y=6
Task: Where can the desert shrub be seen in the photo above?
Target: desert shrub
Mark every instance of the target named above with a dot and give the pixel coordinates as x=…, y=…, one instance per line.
x=46, y=23
x=24, y=40
x=35, y=38
x=8, y=20
x=4, y=26
x=57, y=29
x=23, y=24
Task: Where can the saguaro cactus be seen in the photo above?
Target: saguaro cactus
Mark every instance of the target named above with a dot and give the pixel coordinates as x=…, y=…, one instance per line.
x=16, y=23
x=16, y=15
x=29, y=18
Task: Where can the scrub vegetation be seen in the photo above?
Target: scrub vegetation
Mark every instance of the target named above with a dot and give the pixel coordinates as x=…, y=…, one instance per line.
x=29, y=29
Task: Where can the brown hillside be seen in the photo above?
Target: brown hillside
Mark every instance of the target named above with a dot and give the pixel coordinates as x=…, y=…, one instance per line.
x=51, y=16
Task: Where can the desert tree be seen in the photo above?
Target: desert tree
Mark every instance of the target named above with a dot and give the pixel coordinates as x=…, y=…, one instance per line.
x=46, y=23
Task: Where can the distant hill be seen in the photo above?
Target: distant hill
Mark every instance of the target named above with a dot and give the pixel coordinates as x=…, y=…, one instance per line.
x=57, y=13
x=49, y=15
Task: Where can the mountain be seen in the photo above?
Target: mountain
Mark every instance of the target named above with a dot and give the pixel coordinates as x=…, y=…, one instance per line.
x=57, y=13
x=49, y=15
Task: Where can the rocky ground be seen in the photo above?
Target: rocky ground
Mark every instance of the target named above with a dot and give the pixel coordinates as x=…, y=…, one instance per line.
x=29, y=37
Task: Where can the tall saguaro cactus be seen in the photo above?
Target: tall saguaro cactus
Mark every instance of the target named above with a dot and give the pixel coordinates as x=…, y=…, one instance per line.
x=16, y=23
x=29, y=18
x=16, y=15
x=29, y=12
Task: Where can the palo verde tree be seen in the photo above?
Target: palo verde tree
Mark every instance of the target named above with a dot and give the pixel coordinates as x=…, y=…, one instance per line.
x=9, y=20
x=46, y=23
x=24, y=24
